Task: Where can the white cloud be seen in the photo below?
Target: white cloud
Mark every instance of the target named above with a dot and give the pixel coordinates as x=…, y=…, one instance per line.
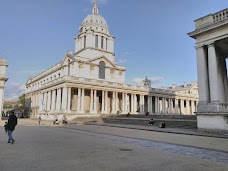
x=121, y=61
x=154, y=80
x=25, y=71
x=129, y=52
x=14, y=89
x=86, y=9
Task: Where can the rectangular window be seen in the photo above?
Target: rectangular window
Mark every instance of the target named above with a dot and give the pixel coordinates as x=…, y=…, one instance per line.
x=102, y=42
x=96, y=41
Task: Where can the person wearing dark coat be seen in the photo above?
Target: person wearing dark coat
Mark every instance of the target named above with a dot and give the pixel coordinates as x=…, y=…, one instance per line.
x=12, y=122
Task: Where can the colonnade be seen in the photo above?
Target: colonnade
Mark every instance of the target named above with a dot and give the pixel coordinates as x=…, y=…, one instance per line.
x=212, y=75
x=84, y=100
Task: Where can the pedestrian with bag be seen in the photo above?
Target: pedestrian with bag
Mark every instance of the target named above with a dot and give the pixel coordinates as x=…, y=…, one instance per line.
x=12, y=122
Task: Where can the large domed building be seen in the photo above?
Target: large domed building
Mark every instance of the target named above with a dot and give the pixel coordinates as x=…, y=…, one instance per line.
x=90, y=82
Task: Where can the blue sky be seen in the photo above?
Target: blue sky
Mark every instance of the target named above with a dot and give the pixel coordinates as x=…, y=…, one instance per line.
x=151, y=36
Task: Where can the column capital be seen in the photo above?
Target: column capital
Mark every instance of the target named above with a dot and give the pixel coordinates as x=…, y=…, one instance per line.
x=211, y=44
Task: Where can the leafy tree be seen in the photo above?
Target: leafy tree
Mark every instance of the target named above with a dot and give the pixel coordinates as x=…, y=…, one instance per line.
x=7, y=106
x=22, y=101
x=16, y=106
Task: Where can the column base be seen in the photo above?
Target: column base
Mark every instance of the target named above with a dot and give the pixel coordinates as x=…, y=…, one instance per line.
x=66, y=111
x=81, y=112
x=212, y=121
x=93, y=112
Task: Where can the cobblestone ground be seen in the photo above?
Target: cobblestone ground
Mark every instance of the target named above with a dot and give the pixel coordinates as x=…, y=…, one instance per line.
x=82, y=147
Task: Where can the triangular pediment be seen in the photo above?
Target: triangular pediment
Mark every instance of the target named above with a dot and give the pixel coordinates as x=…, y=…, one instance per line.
x=69, y=57
x=29, y=80
x=102, y=58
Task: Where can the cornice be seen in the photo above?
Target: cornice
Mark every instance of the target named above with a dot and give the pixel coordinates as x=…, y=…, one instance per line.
x=91, y=48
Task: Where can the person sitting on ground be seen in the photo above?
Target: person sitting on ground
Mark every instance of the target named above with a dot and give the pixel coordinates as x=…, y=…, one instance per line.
x=151, y=121
x=64, y=119
x=128, y=114
x=162, y=125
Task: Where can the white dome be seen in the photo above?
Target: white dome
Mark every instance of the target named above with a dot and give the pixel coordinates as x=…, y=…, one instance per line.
x=94, y=22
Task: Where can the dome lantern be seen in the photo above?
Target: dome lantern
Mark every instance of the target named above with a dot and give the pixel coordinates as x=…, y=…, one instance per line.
x=95, y=8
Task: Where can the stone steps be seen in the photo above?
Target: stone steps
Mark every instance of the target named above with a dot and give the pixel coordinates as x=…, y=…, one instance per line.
x=172, y=121
x=160, y=116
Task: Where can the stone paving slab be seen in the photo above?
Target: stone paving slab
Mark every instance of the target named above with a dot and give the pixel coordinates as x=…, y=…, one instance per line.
x=138, y=127
x=167, y=130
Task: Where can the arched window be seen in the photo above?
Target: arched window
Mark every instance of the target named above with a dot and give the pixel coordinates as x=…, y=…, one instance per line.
x=102, y=69
x=84, y=41
x=106, y=43
x=68, y=67
x=96, y=41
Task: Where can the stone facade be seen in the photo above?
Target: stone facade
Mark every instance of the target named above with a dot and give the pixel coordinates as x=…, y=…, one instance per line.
x=90, y=82
x=3, y=79
x=211, y=34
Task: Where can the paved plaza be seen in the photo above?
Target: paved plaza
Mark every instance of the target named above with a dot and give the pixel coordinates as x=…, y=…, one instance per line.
x=92, y=147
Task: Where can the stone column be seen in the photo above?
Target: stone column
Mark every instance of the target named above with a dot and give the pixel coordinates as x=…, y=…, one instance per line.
x=193, y=106
x=176, y=106
x=91, y=101
x=40, y=101
x=202, y=72
x=45, y=102
x=102, y=103
x=221, y=75
x=163, y=105
x=58, y=99
x=170, y=105
x=187, y=107
x=213, y=73
x=95, y=102
x=126, y=102
x=182, y=107
x=135, y=103
x=53, y=100
x=83, y=101
x=69, y=99
x=117, y=102
x=106, y=101
x=132, y=103
x=156, y=105
x=64, y=99
x=123, y=102
x=141, y=104
x=148, y=104
x=79, y=100
x=113, y=103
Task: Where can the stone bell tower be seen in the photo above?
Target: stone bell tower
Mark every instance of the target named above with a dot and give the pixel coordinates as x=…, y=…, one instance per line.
x=3, y=79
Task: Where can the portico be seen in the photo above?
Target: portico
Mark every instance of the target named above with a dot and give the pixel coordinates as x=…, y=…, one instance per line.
x=211, y=53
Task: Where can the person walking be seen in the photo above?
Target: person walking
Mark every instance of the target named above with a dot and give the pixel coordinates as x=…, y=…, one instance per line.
x=12, y=122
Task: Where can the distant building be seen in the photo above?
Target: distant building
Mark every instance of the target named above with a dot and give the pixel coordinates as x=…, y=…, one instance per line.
x=90, y=81
x=12, y=102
